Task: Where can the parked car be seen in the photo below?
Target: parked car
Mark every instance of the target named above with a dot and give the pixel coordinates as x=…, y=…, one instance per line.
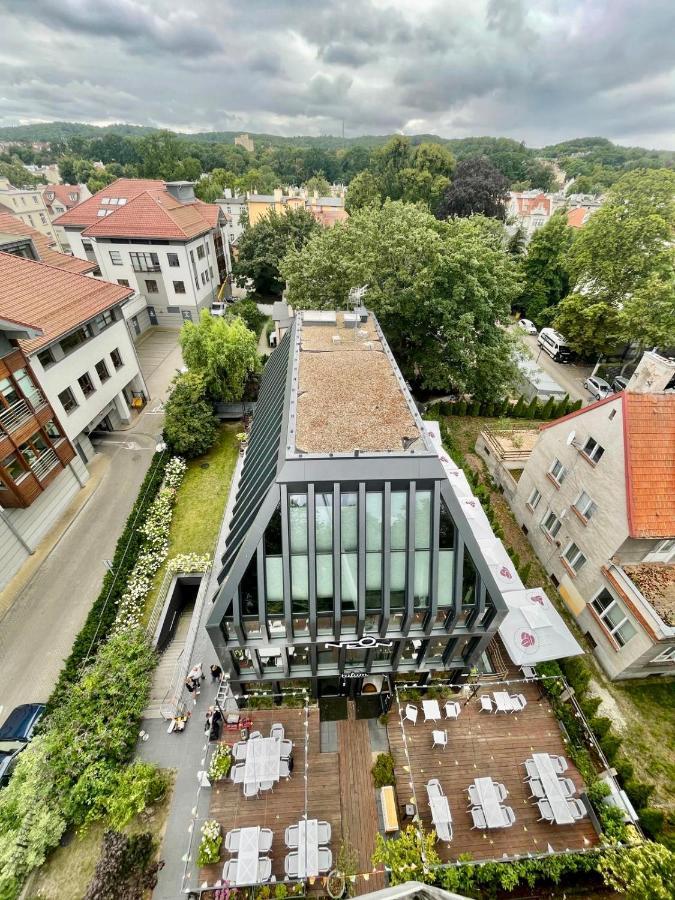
x=218, y=308
x=527, y=326
x=555, y=345
x=619, y=384
x=15, y=735
x=598, y=387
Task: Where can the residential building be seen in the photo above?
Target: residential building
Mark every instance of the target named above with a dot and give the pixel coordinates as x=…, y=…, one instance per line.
x=59, y=198
x=596, y=498
x=156, y=238
x=326, y=210
x=36, y=245
x=355, y=549
x=49, y=173
x=243, y=140
x=529, y=210
x=28, y=205
x=235, y=209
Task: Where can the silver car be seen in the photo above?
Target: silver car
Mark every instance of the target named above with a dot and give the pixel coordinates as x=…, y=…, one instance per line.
x=598, y=387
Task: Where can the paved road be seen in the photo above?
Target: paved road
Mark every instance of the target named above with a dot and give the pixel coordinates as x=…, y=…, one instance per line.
x=37, y=632
x=569, y=377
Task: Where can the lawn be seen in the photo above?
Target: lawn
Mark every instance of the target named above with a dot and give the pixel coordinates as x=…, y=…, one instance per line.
x=646, y=709
x=200, y=502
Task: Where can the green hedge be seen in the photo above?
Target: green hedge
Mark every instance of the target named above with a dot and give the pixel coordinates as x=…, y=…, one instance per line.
x=522, y=408
x=102, y=614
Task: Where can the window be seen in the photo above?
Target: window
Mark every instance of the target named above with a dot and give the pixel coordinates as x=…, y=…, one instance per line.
x=349, y=546
x=102, y=212
x=106, y=318
x=116, y=358
x=33, y=448
x=446, y=559
x=297, y=515
x=585, y=506
x=557, y=471
x=204, y=279
x=123, y=281
x=534, y=498
x=145, y=262
x=46, y=358
x=323, y=534
x=593, y=450
x=86, y=384
x=151, y=286
x=43, y=218
x=173, y=260
x=105, y=200
x=67, y=400
x=179, y=287
x=374, y=552
x=8, y=392
x=211, y=272
x=574, y=557
x=398, y=538
x=102, y=370
x=13, y=467
x=115, y=257
x=87, y=246
x=667, y=655
x=663, y=552
x=613, y=617
x=52, y=430
x=422, y=547
x=551, y=524
x=76, y=338
x=200, y=252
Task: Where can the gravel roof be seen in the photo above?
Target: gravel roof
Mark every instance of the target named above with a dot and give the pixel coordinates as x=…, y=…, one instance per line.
x=656, y=582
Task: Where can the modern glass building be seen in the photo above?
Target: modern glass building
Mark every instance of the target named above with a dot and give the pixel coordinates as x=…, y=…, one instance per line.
x=350, y=550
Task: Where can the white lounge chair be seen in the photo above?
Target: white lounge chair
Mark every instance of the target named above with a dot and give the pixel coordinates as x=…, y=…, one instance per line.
x=518, y=702
x=528, y=672
x=232, y=840
x=265, y=840
x=440, y=739
x=478, y=817
x=444, y=831
x=255, y=736
x=325, y=860
x=559, y=764
x=291, y=836
x=474, y=796
x=434, y=788
x=250, y=790
x=531, y=769
x=509, y=816
x=277, y=731
x=485, y=703
x=284, y=769
x=264, y=868
x=286, y=749
x=537, y=789
x=452, y=709
x=266, y=785
x=237, y=773
x=230, y=871
x=502, y=793
x=577, y=809
x=291, y=865
x=239, y=751
x=411, y=713
x=323, y=832
x=567, y=786
x=546, y=811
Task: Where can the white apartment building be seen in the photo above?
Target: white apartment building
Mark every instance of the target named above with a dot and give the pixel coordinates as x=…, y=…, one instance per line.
x=158, y=239
x=59, y=198
x=597, y=500
x=236, y=211
x=29, y=206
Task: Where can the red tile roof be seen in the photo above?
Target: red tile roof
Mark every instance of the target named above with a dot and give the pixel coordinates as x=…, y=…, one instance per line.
x=10, y=224
x=577, y=217
x=51, y=299
x=155, y=213
x=649, y=446
x=61, y=192
x=86, y=213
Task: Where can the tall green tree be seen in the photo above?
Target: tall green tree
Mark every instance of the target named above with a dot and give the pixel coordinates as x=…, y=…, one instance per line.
x=388, y=163
x=223, y=351
x=160, y=154
x=439, y=290
x=546, y=271
x=318, y=183
x=478, y=188
x=263, y=246
x=363, y=190
x=622, y=266
x=189, y=422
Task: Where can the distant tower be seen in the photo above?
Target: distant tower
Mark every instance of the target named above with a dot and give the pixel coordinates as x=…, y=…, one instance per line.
x=243, y=140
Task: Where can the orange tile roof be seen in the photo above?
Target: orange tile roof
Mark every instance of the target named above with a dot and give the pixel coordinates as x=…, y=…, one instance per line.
x=61, y=192
x=156, y=214
x=577, y=217
x=51, y=299
x=86, y=213
x=10, y=224
x=649, y=446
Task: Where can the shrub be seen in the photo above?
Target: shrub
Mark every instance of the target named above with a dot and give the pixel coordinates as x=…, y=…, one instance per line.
x=652, y=821
x=221, y=762
x=249, y=312
x=474, y=409
x=624, y=769
x=263, y=702
x=281, y=892
x=577, y=673
x=590, y=706
x=638, y=792
x=547, y=408
x=461, y=408
x=646, y=872
x=383, y=770
x=531, y=410
x=133, y=788
x=518, y=410
x=600, y=725
x=611, y=745
x=411, y=856
x=210, y=844
x=126, y=869
x=597, y=791
x=190, y=426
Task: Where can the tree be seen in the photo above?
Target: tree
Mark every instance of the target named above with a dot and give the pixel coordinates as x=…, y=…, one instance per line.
x=223, y=351
x=546, y=269
x=319, y=184
x=646, y=872
x=388, y=162
x=411, y=856
x=189, y=423
x=622, y=267
x=264, y=245
x=516, y=243
x=437, y=288
x=17, y=175
x=477, y=188
x=160, y=155
x=363, y=190
x=435, y=159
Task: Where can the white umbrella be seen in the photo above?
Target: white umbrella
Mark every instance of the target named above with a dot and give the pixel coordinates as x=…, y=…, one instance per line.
x=533, y=630
x=500, y=564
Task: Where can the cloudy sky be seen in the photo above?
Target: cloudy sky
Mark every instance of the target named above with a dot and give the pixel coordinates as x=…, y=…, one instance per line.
x=537, y=70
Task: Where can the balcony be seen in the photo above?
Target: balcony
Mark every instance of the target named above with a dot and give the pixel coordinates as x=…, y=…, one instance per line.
x=44, y=464
x=12, y=418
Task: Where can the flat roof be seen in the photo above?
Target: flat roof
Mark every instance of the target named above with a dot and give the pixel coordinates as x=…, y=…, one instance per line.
x=656, y=583
x=348, y=393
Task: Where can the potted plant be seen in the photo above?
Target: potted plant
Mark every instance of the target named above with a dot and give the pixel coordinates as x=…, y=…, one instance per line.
x=210, y=844
x=242, y=437
x=335, y=884
x=221, y=762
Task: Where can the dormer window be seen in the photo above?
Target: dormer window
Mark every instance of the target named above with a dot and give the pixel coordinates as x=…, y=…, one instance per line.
x=593, y=450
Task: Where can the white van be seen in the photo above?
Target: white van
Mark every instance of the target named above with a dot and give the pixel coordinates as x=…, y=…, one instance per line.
x=555, y=345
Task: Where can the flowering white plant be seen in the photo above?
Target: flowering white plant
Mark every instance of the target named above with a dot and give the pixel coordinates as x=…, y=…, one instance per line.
x=189, y=562
x=209, y=847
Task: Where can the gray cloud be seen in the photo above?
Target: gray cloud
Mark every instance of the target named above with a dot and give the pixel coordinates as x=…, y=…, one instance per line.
x=541, y=70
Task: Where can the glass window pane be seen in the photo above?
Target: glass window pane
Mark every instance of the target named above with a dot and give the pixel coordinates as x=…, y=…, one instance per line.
x=373, y=580
x=273, y=534
x=298, y=522
x=348, y=581
x=399, y=519
x=323, y=515
x=248, y=588
x=299, y=584
x=468, y=581
x=324, y=576
x=373, y=521
x=422, y=520
x=447, y=529
x=446, y=574
x=614, y=615
x=274, y=579
x=422, y=558
x=625, y=633
x=348, y=521
x=397, y=580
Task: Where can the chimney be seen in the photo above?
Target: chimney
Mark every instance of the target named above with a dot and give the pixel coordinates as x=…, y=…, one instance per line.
x=183, y=191
x=227, y=193
x=278, y=194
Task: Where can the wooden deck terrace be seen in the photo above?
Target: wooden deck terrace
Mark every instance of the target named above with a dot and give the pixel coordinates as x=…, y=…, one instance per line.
x=486, y=744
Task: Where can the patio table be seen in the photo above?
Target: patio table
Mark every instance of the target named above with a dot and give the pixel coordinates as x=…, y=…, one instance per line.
x=490, y=803
x=551, y=784
x=440, y=811
x=248, y=856
x=308, y=848
x=503, y=701
x=263, y=758
x=432, y=710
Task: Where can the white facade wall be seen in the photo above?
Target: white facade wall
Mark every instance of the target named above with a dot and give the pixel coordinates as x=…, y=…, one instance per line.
x=29, y=206
x=234, y=208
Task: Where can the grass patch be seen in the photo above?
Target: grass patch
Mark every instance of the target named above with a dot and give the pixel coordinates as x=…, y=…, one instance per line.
x=67, y=872
x=200, y=502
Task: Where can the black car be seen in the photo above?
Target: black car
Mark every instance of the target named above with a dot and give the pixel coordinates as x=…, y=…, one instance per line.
x=15, y=735
x=619, y=384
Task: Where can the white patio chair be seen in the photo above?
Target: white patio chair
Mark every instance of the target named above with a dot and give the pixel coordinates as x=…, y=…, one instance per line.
x=266, y=785
x=325, y=860
x=485, y=703
x=286, y=749
x=323, y=832
x=291, y=865
x=411, y=713
x=232, y=840
x=255, y=736
x=567, y=786
x=440, y=739
x=284, y=769
x=531, y=769
x=265, y=840
x=577, y=809
x=502, y=793
x=239, y=751
x=277, y=731
x=250, y=790
x=264, y=868
x=478, y=817
x=509, y=816
x=452, y=709
x=434, y=788
x=237, y=773
x=230, y=871
x=518, y=702
x=528, y=672
x=291, y=836
x=443, y=831
x=546, y=811
x=537, y=789
x=474, y=796
x=559, y=764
